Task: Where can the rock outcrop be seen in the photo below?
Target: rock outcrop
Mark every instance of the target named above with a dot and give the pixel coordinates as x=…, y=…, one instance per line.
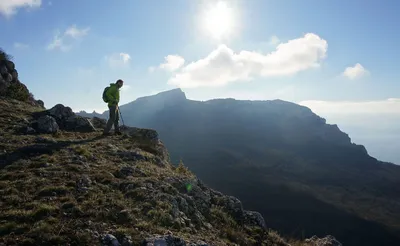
x=10, y=86
x=325, y=241
x=57, y=118
x=80, y=188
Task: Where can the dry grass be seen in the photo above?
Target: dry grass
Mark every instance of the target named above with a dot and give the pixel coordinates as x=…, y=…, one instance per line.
x=73, y=195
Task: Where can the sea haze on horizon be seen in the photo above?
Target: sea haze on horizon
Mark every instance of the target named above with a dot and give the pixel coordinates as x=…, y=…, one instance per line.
x=379, y=133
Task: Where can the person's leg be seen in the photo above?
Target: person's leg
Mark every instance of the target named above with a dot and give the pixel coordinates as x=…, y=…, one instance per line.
x=116, y=122
x=111, y=119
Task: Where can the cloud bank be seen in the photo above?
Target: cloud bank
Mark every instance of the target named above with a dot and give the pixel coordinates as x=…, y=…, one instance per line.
x=223, y=65
x=10, y=7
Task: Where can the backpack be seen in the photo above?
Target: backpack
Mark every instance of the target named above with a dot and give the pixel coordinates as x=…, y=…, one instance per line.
x=105, y=98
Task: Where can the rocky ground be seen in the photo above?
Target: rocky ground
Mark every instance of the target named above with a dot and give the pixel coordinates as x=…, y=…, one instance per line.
x=79, y=188
x=62, y=183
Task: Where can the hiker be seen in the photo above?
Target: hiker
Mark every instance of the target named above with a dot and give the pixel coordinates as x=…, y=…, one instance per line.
x=111, y=95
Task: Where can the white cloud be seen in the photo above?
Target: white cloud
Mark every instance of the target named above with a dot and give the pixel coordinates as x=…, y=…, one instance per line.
x=172, y=62
x=64, y=41
x=75, y=32
x=388, y=106
x=355, y=72
x=274, y=40
x=20, y=45
x=10, y=7
x=118, y=59
x=223, y=65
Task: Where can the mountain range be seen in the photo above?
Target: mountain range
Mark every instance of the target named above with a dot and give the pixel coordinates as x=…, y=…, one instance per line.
x=305, y=176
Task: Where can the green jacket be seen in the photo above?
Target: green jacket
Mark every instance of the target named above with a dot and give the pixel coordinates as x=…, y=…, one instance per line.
x=113, y=95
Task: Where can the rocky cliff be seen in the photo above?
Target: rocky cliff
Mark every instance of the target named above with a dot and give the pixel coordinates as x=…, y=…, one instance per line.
x=61, y=183
x=304, y=176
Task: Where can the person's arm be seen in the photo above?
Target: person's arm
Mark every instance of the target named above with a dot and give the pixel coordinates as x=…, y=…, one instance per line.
x=117, y=96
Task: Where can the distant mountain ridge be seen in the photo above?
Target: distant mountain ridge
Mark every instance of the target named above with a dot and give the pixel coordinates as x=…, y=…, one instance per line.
x=281, y=159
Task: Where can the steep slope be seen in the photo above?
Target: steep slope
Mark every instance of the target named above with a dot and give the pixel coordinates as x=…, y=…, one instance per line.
x=279, y=158
x=78, y=189
x=61, y=183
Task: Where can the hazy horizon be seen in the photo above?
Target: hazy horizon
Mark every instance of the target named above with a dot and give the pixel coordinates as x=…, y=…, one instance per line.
x=337, y=57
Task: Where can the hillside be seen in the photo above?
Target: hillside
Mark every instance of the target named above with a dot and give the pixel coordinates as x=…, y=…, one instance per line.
x=61, y=183
x=281, y=159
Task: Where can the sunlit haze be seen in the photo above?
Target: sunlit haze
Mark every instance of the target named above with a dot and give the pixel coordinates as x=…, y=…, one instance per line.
x=218, y=19
x=332, y=56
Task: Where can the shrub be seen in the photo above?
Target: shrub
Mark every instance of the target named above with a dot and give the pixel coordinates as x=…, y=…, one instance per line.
x=18, y=91
x=4, y=56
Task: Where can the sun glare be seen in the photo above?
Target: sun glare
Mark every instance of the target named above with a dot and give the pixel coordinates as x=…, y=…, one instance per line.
x=218, y=20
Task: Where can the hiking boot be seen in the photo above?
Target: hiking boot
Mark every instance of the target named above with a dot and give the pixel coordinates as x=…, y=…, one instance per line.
x=118, y=133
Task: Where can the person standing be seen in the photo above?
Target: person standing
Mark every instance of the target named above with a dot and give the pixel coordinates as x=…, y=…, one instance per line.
x=111, y=96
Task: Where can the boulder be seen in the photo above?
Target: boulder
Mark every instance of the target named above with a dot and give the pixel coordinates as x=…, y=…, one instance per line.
x=167, y=240
x=326, y=241
x=46, y=124
x=253, y=218
x=110, y=240
x=60, y=113
x=98, y=123
x=68, y=120
x=78, y=124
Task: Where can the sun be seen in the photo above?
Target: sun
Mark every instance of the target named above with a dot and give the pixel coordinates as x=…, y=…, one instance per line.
x=218, y=20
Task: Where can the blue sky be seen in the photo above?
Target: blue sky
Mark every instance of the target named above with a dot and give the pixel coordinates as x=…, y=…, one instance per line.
x=332, y=56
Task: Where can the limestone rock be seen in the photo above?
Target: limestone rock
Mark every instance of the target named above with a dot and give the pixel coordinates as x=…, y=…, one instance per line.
x=78, y=124
x=255, y=219
x=60, y=113
x=325, y=241
x=47, y=124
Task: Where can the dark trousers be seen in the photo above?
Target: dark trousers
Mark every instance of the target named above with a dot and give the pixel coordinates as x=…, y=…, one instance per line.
x=113, y=119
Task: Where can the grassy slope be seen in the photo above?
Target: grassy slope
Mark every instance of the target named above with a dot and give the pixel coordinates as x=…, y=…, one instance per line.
x=65, y=188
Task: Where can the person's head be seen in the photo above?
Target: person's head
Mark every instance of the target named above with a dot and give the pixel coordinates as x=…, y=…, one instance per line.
x=119, y=83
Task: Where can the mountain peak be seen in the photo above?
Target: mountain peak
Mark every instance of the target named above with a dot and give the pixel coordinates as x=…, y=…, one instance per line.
x=170, y=95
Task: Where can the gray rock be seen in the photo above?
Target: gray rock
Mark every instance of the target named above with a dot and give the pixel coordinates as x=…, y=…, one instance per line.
x=255, y=219
x=3, y=71
x=98, y=123
x=47, y=124
x=10, y=65
x=30, y=130
x=60, y=112
x=127, y=241
x=167, y=240
x=130, y=171
x=14, y=74
x=78, y=124
x=110, y=240
x=8, y=78
x=326, y=241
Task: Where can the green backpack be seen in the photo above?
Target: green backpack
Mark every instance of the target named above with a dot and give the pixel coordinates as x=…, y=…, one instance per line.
x=105, y=98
